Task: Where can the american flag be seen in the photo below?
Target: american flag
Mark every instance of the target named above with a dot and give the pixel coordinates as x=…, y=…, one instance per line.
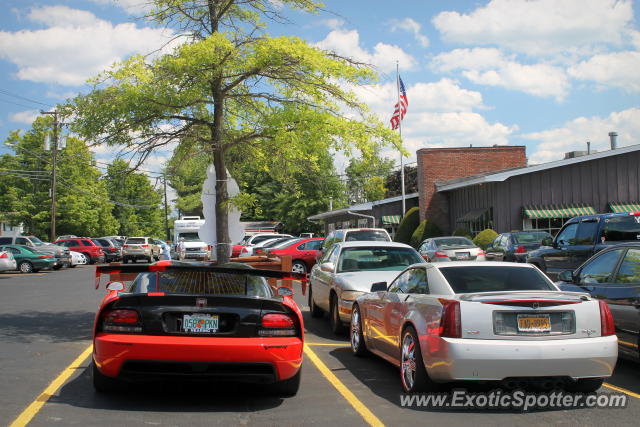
x=401, y=108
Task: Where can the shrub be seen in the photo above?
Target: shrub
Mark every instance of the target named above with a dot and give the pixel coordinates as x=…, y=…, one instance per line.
x=417, y=236
x=432, y=230
x=485, y=237
x=407, y=226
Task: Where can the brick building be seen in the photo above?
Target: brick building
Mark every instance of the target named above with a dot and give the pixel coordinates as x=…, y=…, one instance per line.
x=444, y=164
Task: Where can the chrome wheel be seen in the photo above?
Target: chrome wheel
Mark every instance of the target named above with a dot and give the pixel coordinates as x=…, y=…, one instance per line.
x=355, y=330
x=26, y=267
x=408, y=366
x=298, y=267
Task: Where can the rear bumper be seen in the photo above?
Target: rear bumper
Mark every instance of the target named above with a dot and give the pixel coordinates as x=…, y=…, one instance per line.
x=494, y=360
x=138, y=357
x=194, y=254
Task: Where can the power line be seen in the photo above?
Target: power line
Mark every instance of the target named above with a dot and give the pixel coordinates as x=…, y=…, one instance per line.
x=24, y=98
x=16, y=103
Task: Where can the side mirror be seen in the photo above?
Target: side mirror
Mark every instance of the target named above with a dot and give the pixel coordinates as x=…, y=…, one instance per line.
x=115, y=286
x=566, y=276
x=327, y=266
x=547, y=241
x=284, y=291
x=378, y=286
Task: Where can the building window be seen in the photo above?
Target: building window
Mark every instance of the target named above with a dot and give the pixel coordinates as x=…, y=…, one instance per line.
x=346, y=224
x=331, y=227
x=363, y=222
x=550, y=225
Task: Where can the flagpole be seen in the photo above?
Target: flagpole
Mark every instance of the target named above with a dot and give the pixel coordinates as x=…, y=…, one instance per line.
x=400, y=133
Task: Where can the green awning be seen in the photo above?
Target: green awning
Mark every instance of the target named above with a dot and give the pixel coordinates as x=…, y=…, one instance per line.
x=624, y=207
x=557, y=211
x=472, y=215
x=390, y=219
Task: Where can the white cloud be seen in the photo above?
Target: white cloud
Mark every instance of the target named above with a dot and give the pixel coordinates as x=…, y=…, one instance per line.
x=618, y=69
x=383, y=56
x=75, y=46
x=412, y=27
x=488, y=66
x=27, y=117
x=134, y=7
x=540, y=27
x=553, y=143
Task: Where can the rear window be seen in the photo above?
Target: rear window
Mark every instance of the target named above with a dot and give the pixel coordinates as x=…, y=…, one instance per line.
x=533, y=237
x=367, y=235
x=620, y=228
x=453, y=242
x=201, y=283
x=136, y=241
x=259, y=239
x=372, y=258
x=87, y=243
x=494, y=278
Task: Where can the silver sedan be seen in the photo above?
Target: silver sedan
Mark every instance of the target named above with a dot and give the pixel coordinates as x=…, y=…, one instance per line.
x=7, y=261
x=347, y=271
x=485, y=321
x=451, y=248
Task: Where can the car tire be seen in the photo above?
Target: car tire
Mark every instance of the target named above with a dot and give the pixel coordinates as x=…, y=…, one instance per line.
x=585, y=385
x=57, y=267
x=356, y=337
x=89, y=259
x=149, y=259
x=316, y=312
x=101, y=382
x=73, y=265
x=288, y=387
x=25, y=267
x=413, y=374
x=299, y=267
x=337, y=327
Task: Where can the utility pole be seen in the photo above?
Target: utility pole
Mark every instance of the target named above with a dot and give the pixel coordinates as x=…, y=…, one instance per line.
x=54, y=153
x=166, y=207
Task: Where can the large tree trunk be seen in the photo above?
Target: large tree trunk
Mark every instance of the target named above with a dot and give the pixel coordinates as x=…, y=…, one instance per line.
x=223, y=245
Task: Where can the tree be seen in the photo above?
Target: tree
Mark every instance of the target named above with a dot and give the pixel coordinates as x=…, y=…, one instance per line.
x=136, y=203
x=366, y=177
x=410, y=181
x=187, y=171
x=231, y=87
x=83, y=205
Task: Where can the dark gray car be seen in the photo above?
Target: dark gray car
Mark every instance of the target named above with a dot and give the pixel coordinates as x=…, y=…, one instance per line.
x=515, y=246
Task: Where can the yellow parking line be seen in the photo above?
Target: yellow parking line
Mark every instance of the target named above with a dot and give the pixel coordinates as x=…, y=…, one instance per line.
x=364, y=412
x=329, y=344
x=30, y=411
x=629, y=344
x=622, y=390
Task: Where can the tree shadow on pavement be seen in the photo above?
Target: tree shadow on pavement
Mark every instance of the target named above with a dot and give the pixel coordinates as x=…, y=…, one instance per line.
x=30, y=326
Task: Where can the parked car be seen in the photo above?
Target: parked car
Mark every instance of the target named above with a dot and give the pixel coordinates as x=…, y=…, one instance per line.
x=260, y=248
x=450, y=248
x=66, y=236
x=29, y=260
x=77, y=258
x=252, y=240
x=201, y=323
x=347, y=271
x=93, y=252
x=613, y=276
x=136, y=248
x=583, y=236
x=515, y=246
x=485, y=321
x=303, y=253
x=60, y=253
x=112, y=252
x=7, y=261
x=355, y=234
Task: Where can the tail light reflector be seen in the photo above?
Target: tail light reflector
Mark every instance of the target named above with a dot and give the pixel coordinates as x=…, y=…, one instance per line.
x=521, y=250
x=245, y=250
x=121, y=320
x=440, y=254
x=606, y=320
x=125, y=246
x=280, y=325
x=4, y=255
x=480, y=252
x=144, y=246
x=450, y=324
x=43, y=256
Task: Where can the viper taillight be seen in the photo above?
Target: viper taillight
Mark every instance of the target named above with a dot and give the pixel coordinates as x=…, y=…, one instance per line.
x=606, y=320
x=277, y=325
x=450, y=324
x=121, y=320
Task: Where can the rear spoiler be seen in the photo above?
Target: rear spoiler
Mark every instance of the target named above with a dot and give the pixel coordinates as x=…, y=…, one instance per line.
x=135, y=269
x=558, y=294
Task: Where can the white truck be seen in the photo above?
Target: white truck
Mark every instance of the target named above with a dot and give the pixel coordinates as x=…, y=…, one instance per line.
x=187, y=228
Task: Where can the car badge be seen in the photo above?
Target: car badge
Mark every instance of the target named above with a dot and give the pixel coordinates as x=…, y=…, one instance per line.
x=535, y=305
x=201, y=302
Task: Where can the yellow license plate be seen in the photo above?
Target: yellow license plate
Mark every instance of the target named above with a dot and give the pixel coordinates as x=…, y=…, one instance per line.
x=531, y=323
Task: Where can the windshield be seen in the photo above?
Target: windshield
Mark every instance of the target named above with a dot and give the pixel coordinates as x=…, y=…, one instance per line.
x=136, y=241
x=453, y=242
x=494, y=278
x=36, y=241
x=190, y=237
x=532, y=237
x=376, y=258
x=367, y=235
x=619, y=228
x=288, y=244
x=200, y=283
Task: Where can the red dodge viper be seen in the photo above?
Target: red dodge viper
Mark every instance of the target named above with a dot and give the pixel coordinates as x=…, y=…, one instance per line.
x=197, y=321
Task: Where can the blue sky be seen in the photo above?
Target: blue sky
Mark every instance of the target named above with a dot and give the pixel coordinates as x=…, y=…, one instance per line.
x=547, y=74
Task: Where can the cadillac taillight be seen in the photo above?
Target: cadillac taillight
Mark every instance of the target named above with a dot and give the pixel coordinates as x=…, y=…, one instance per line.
x=121, y=320
x=277, y=325
x=450, y=324
x=606, y=320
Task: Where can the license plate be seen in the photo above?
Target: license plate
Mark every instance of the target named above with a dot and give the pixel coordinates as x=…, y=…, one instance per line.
x=200, y=323
x=463, y=255
x=534, y=323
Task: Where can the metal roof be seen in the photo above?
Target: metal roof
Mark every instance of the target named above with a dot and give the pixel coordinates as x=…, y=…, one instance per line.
x=506, y=174
x=361, y=207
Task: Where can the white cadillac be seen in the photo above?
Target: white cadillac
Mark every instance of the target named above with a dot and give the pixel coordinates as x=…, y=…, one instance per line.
x=347, y=270
x=485, y=321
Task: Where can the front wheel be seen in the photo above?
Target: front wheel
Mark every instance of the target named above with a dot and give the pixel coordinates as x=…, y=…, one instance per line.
x=337, y=327
x=288, y=387
x=57, y=267
x=299, y=267
x=413, y=374
x=358, y=345
x=25, y=267
x=316, y=312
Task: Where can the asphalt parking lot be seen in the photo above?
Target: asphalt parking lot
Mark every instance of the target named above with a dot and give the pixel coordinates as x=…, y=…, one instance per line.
x=45, y=332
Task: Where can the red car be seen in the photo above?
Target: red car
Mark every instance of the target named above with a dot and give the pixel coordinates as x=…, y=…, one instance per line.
x=197, y=321
x=93, y=252
x=303, y=253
